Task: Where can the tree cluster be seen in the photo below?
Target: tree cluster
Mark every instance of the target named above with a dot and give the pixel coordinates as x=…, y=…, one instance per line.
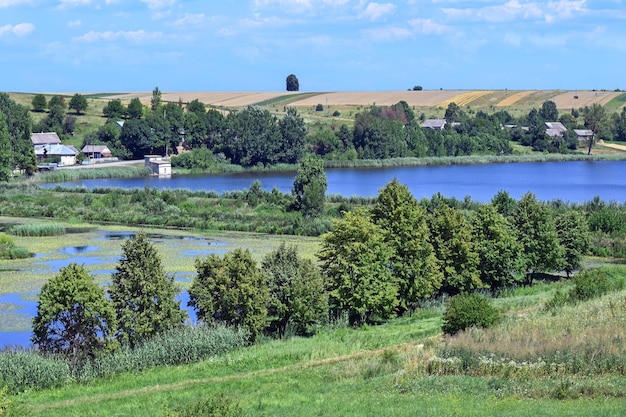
x=16, y=149
x=385, y=261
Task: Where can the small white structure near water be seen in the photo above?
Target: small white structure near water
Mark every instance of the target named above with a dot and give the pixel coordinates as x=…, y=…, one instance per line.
x=159, y=165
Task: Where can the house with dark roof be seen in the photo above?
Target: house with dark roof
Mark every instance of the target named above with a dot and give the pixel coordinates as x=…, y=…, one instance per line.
x=45, y=138
x=435, y=124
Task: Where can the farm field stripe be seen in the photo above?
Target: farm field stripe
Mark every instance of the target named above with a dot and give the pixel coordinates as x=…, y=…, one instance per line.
x=514, y=98
x=465, y=98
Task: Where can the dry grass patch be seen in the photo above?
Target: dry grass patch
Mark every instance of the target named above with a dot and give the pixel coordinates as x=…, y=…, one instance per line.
x=424, y=98
x=567, y=100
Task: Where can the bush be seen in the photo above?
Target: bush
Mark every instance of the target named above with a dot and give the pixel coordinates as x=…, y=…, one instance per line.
x=468, y=310
x=319, y=107
x=593, y=283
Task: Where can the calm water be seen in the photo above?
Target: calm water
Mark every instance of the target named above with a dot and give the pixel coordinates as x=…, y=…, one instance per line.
x=569, y=181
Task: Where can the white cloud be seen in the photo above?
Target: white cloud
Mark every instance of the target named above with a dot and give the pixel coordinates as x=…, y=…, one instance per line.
x=21, y=29
x=299, y=6
x=388, y=33
x=427, y=27
x=73, y=3
x=375, y=11
x=110, y=36
x=190, y=20
x=158, y=4
x=512, y=39
x=520, y=10
x=9, y=3
x=74, y=23
x=259, y=21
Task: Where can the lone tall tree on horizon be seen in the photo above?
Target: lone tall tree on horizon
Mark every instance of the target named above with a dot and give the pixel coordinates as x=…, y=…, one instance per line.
x=292, y=83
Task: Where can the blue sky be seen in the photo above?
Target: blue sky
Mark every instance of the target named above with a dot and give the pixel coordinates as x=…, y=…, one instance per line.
x=330, y=45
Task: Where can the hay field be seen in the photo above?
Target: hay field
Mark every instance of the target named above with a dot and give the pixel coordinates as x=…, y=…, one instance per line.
x=522, y=99
x=514, y=98
x=424, y=98
x=566, y=99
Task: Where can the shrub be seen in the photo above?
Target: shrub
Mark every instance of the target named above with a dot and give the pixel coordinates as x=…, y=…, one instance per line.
x=319, y=107
x=591, y=284
x=468, y=310
x=336, y=113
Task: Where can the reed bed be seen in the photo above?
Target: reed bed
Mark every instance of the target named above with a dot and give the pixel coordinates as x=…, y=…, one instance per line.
x=62, y=175
x=27, y=369
x=36, y=230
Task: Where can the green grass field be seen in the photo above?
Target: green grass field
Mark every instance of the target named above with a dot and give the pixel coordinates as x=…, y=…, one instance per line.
x=372, y=371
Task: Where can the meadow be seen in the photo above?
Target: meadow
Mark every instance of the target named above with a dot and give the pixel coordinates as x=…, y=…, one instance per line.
x=402, y=368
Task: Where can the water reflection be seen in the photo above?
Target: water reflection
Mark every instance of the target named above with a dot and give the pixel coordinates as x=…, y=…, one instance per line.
x=77, y=250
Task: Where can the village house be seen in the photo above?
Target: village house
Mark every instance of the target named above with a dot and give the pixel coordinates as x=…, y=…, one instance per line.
x=66, y=154
x=555, y=129
x=435, y=124
x=45, y=138
x=96, y=151
x=584, y=134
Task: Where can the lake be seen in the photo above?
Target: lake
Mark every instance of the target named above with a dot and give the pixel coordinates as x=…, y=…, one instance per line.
x=574, y=181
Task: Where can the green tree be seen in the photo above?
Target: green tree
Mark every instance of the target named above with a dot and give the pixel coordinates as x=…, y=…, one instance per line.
x=196, y=106
x=231, y=290
x=74, y=318
x=292, y=83
x=355, y=260
x=155, y=101
x=309, y=186
x=548, y=111
x=57, y=100
x=413, y=261
x=139, y=139
x=499, y=253
x=6, y=154
x=79, y=103
x=595, y=118
x=39, y=103
x=297, y=292
x=536, y=233
x=19, y=126
x=451, y=237
x=114, y=110
x=573, y=232
x=293, y=130
x=253, y=137
x=135, y=108
x=142, y=293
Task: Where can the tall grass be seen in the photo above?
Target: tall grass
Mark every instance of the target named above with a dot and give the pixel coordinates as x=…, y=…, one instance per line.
x=62, y=175
x=36, y=229
x=464, y=160
x=27, y=369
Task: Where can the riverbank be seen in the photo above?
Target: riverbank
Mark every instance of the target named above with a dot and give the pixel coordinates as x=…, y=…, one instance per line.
x=115, y=171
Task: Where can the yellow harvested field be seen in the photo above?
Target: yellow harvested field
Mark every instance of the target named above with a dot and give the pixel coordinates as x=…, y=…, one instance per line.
x=566, y=100
x=514, y=98
x=220, y=98
x=423, y=98
x=465, y=98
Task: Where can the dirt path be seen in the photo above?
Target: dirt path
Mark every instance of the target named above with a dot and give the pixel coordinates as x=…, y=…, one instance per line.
x=191, y=382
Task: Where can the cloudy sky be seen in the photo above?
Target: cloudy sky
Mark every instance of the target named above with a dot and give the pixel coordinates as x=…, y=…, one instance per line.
x=330, y=45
